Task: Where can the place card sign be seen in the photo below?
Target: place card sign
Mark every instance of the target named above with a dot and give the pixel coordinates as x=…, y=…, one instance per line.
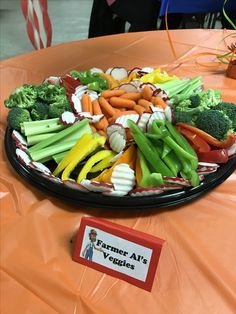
x=119, y=251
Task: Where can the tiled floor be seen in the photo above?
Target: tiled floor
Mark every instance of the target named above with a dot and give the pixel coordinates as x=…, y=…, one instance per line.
x=69, y=18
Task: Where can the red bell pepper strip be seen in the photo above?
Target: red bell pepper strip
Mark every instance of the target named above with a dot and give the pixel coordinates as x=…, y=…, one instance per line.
x=231, y=138
x=69, y=83
x=219, y=156
x=195, y=140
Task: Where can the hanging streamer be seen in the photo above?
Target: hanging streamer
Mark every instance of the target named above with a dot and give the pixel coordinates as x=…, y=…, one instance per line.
x=38, y=23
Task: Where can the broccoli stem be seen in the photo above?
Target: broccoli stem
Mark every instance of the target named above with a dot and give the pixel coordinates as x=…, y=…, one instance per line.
x=59, y=137
x=42, y=126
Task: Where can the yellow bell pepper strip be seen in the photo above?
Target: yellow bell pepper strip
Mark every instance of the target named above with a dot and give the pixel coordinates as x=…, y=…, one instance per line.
x=112, y=83
x=92, y=161
x=103, y=164
x=157, y=76
x=128, y=157
x=70, y=155
x=132, y=76
x=81, y=154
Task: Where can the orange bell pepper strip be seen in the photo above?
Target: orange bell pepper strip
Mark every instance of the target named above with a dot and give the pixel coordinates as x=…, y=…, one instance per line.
x=230, y=140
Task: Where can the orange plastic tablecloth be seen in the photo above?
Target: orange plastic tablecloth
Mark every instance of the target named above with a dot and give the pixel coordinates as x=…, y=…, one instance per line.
x=197, y=269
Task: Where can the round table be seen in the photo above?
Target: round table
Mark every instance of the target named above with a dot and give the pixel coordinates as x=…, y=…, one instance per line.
x=197, y=269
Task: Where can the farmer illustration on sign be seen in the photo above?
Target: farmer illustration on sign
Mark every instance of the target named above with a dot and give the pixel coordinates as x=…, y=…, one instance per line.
x=88, y=251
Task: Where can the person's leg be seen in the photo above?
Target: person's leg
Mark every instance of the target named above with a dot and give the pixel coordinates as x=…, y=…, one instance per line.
x=141, y=14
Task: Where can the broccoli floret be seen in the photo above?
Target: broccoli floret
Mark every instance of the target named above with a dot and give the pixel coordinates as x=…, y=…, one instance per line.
x=210, y=98
x=182, y=116
x=23, y=97
x=195, y=100
x=60, y=105
x=48, y=92
x=229, y=109
x=16, y=116
x=214, y=123
x=40, y=111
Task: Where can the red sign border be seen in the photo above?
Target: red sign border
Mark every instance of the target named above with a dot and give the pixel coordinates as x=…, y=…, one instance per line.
x=126, y=233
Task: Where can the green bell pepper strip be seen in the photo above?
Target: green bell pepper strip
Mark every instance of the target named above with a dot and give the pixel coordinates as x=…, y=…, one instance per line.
x=146, y=174
x=92, y=161
x=176, y=147
x=148, y=151
x=92, y=80
x=180, y=139
x=171, y=160
x=148, y=179
x=156, y=179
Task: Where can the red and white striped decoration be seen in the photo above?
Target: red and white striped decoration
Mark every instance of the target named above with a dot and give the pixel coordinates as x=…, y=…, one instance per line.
x=38, y=23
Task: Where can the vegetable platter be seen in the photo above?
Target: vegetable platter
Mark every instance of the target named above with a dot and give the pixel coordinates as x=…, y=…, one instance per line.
x=121, y=138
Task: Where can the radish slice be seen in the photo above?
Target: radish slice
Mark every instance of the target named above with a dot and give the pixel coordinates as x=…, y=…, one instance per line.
x=169, y=114
x=52, y=178
x=176, y=180
x=91, y=118
x=128, y=87
x=143, y=121
x=80, y=90
x=157, y=109
x=117, y=142
x=23, y=157
x=108, y=71
x=119, y=73
x=74, y=185
x=123, y=120
x=147, y=69
x=113, y=193
x=169, y=187
x=123, y=178
x=206, y=171
x=152, y=86
x=134, y=70
x=67, y=118
x=207, y=164
x=19, y=140
x=96, y=70
x=157, y=115
x=52, y=80
x=94, y=186
x=145, y=191
x=76, y=105
x=232, y=151
x=40, y=167
x=115, y=127
x=93, y=95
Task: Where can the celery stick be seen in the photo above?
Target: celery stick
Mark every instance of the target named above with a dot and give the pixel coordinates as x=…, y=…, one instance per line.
x=46, y=152
x=59, y=136
x=42, y=126
x=34, y=139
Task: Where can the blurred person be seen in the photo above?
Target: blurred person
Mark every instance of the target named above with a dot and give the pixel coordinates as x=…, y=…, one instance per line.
x=109, y=16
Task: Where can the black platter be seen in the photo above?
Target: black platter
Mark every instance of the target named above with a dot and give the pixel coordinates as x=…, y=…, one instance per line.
x=97, y=200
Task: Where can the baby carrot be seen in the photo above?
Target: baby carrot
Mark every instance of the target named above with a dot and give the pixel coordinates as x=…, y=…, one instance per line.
x=106, y=107
x=112, y=93
x=146, y=93
x=158, y=102
x=119, y=102
x=139, y=109
x=132, y=96
x=103, y=123
x=145, y=103
x=87, y=103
